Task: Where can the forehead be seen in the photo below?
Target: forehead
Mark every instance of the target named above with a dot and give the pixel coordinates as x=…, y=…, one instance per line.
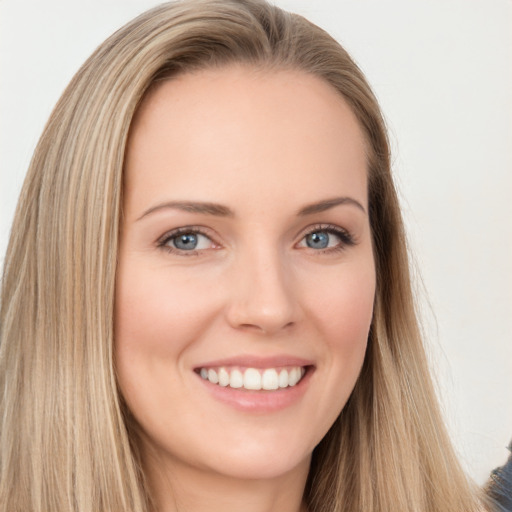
x=247, y=128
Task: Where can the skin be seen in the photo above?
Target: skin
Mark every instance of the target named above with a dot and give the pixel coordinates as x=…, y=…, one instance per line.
x=264, y=144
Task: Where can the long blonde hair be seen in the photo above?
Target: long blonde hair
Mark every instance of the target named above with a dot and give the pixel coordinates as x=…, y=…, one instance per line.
x=65, y=443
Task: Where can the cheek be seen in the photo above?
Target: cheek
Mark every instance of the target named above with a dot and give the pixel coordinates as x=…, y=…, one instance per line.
x=159, y=314
x=342, y=310
x=344, y=307
x=157, y=311
x=340, y=307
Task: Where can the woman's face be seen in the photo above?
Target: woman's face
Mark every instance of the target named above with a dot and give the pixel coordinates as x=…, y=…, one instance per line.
x=245, y=263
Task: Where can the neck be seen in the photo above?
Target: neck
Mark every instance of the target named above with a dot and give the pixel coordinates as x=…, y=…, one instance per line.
x=178, y=487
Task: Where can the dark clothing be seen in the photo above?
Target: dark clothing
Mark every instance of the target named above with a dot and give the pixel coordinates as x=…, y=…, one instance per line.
x=500, y=487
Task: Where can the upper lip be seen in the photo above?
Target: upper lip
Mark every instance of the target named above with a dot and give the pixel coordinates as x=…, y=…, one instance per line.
x=252, y=361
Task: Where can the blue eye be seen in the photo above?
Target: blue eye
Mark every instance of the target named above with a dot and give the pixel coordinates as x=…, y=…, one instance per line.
x=327, y=238
x=186, y=240
x=318, y=240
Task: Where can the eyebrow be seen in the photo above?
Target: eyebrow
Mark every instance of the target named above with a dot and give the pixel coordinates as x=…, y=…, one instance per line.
x=220, y=210
x=327, y=204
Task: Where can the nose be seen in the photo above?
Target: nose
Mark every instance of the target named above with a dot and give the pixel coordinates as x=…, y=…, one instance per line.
x=262, y=295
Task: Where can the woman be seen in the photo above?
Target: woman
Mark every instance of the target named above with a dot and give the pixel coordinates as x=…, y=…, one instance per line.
x=206, y=300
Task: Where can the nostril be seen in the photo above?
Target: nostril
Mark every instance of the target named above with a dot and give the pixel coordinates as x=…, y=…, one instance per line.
x=265, y=327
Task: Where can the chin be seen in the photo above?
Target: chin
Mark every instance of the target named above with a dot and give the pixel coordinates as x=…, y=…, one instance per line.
x=258, y=467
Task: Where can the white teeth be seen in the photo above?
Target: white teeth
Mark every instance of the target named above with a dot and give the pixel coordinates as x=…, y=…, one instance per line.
x=236, y=379
x=293, y=376
x=223, y=377
x=269, y=379
x=254, y=379
x=283, y=379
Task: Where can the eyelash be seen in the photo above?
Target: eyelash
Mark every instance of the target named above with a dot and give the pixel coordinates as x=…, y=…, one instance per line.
x=347, y=239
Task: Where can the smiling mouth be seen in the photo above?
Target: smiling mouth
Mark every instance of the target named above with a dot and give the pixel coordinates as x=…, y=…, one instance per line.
x=254, y=379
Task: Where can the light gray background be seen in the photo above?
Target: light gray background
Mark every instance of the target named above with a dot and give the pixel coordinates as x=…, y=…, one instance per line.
x=442, y=70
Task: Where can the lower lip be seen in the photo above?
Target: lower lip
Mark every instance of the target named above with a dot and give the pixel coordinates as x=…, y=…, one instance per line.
x=259, y=401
